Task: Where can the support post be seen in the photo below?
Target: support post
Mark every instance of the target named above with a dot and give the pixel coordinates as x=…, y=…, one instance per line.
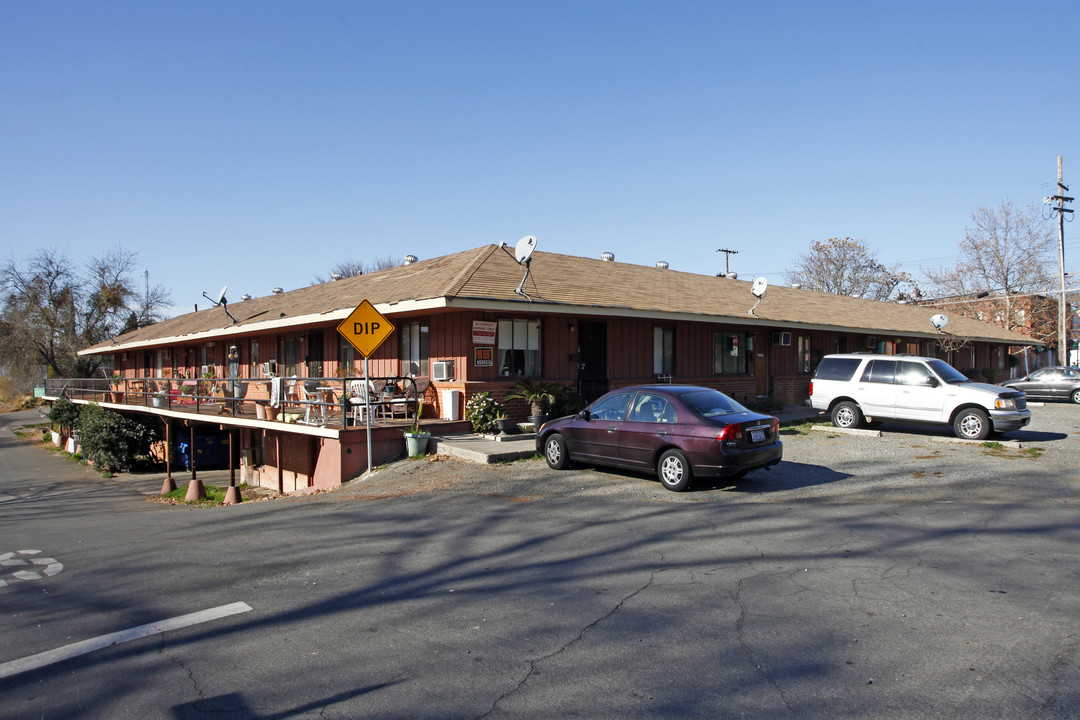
x=232, y=495
x=169, y=484
x=195, y=491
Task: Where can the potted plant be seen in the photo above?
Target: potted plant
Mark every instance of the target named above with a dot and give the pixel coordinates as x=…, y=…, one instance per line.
x=416, y=440
x=115, y=382
x=538, y=395
x=504, y=424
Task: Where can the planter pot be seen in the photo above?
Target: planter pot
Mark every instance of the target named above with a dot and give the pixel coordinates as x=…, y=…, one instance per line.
x=537, y=421
x=117, y=396
x=160, y=402
x=505, y=426
x=260, y=411
x=416, y=443
x=271, y=412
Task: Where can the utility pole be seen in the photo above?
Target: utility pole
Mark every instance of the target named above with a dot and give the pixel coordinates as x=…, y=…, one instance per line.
x=1060, y=209
x=727, y=256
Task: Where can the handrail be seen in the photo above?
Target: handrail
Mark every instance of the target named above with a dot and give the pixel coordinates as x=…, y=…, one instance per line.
x=237, y=397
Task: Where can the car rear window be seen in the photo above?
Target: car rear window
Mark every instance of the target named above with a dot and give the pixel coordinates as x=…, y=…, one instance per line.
x=837, y=368
x=711, y=403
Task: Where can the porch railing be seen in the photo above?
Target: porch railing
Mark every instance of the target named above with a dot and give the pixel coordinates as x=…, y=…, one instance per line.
x=322, y=401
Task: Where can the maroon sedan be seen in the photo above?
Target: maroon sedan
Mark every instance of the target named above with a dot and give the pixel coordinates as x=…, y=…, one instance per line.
x=676, y=431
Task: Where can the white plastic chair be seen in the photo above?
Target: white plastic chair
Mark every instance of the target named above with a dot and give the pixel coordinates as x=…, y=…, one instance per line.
x=358, y=398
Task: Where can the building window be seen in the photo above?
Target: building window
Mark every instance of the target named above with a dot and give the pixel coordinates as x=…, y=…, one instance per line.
x=664, y=350
x=346, y=357
x=253, y=352
x=414, y=349
x=729, y=352
x=519, y=347
x=290, y=357
x=804, y=353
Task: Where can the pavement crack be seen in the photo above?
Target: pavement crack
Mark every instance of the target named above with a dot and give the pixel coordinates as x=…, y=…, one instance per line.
x=566, y=646
x=739, y=626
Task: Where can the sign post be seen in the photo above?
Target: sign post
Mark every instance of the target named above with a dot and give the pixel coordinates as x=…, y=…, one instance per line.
x=365, y=328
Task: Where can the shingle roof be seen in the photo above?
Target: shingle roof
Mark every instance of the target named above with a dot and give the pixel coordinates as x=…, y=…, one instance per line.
x=557, y=283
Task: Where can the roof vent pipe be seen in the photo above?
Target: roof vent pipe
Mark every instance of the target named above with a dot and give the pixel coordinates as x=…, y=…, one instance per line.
x=732, y=276
x=336, y=276
x=410, y=259
x=278, y=291
x=245, y=296
x=607, y=256
x=661, y=265
x=797, y=286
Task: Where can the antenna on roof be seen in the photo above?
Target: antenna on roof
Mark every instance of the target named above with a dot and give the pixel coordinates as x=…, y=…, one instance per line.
x=523, y=254
x=220, y=301
x=758, y=289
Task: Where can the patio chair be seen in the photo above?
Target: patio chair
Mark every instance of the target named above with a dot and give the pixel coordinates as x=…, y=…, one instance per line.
x=358, y=398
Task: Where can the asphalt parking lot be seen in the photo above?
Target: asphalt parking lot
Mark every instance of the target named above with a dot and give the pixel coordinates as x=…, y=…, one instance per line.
x=908, y=462
x=902, y=576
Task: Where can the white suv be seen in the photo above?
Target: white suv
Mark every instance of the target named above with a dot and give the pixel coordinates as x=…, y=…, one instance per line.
x=902, y=387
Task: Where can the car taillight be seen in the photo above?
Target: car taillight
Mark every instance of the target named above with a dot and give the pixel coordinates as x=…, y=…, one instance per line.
x=730, y=435
x=811, y=388
x=775, y=426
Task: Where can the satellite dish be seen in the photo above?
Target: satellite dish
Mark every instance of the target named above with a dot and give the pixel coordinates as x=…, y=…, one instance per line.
x=220, y=301
x=524, y=249
x=939, y=321
x=759, y=286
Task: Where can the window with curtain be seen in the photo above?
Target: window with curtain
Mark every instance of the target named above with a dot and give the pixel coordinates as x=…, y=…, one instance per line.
x=414, y=349
x=664, y=350
x=519, y=348
x=804, y=353
x=346, y=357
x=290, y=357
x=729, y=352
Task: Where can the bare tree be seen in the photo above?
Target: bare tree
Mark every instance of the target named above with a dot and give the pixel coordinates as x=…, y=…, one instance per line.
x=845, y=266
x=1004, y=271
x=52, y=308
x=352, y=268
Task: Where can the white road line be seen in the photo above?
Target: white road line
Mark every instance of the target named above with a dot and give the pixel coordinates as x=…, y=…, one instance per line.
x=67, y=652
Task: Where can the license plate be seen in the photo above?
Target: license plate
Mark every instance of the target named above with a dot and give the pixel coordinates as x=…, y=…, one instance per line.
x=757, y=436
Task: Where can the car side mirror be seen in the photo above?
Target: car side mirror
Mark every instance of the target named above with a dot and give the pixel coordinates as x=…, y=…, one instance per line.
x=932, y=381
x=584, y=415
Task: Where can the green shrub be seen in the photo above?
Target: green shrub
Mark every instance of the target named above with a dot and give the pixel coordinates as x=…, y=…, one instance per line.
x=482, y=410
x=64, y=415
x=113, y=441
x=567, y=402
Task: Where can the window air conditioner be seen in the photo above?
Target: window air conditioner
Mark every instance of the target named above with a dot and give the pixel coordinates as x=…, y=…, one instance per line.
x=442, y=370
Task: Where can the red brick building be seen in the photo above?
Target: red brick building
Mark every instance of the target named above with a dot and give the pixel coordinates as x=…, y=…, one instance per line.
x=475, y=321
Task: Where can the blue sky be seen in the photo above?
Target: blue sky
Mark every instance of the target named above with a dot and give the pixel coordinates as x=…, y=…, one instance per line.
x=255, y=144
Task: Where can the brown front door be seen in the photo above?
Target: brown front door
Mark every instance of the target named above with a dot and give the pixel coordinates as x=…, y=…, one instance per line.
x=761, y=364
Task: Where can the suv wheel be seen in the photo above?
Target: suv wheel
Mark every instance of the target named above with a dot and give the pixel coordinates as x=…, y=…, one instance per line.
x=846, y=415
x=972, y=424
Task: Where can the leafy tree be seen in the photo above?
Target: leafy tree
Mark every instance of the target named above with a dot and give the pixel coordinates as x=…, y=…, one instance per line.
x=1004, y=270
x=845, y=266
x=52, y=307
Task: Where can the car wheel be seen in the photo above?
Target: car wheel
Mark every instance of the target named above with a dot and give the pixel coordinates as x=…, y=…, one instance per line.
x=972, y=424
x=1076, y=396
x=674, y=470
x=846, y=415
x=555, y=452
